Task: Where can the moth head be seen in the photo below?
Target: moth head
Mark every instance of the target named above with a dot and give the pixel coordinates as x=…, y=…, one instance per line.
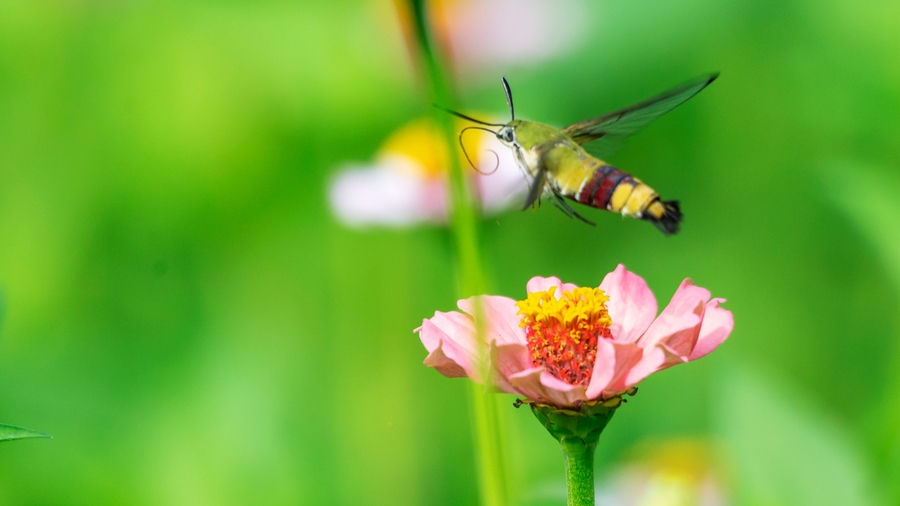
x=507, y=135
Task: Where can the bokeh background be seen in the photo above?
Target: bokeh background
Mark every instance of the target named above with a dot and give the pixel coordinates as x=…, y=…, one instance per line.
x=193, y=325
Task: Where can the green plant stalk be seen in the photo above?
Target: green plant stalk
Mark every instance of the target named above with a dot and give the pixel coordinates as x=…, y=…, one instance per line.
x=471, y=279
x=579, y=471
x=578, y=430
x=488, y=445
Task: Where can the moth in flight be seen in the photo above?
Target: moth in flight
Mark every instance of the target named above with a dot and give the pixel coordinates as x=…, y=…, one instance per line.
x=569, y=163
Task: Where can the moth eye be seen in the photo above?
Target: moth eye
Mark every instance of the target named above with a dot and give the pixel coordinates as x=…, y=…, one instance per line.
x=508, y=136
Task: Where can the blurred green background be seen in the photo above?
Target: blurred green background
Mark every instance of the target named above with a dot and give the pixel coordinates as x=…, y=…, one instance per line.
x=193, y=326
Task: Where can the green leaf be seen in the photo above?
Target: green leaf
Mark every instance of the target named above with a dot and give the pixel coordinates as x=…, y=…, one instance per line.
x=783, y=450
x=10, y=432
x=868, y=196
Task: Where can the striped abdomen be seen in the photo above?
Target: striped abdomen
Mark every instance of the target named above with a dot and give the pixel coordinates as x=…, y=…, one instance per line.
x=617, y=191
x=598, y=190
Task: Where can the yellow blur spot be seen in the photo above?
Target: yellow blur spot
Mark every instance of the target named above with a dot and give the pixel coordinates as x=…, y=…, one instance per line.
x=669, y=489
x=678, y=473
x=422, y=142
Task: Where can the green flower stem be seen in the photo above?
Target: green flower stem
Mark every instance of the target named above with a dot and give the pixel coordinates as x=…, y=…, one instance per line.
x=464, y=216
x=488, y=445
x=579, y=471
x=577, y=429
x=471, y=279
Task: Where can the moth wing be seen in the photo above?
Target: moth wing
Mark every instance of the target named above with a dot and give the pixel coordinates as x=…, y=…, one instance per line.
x=537, y=187
x=604, y=135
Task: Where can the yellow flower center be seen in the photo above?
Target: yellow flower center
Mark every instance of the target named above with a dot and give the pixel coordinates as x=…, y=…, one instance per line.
x=563, y=333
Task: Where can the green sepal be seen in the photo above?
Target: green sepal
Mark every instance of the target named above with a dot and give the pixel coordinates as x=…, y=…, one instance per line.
x=10, y=432
x=584, y=423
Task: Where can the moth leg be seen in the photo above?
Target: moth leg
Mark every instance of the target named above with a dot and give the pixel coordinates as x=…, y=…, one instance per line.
x=556, y=204
x=564, y=206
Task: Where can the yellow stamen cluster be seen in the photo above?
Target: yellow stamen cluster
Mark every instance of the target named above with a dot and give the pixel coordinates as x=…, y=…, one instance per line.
x=563, y=333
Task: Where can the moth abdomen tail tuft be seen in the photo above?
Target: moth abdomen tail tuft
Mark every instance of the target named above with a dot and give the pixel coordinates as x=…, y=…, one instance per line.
x=667, y=216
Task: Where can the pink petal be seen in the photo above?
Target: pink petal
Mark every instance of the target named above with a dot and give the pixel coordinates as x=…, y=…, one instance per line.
x=631, y=304
x=539, y=385
x=450, y=337
x=444, y=364
x=604, y=368
x=525, y=385
x=654, y=359
x=683, y=341
x=717, y=325
x=502, y=318
x=624, y=358
x=539, y=284
x=678, y=326
x=509, y=360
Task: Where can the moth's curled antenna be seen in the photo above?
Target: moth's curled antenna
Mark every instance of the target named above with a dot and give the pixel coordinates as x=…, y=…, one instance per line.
x=496, y=166
x=466, y=153
x=509, y=101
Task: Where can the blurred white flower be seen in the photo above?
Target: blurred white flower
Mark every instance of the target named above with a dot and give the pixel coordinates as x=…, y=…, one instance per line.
x=481, y=37
x=673, y=473
x=483, y=33
x=407, y=182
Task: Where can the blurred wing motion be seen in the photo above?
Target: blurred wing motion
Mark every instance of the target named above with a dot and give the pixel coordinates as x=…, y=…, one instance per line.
x=539, y=181
x=537, y=188
x=604, y=135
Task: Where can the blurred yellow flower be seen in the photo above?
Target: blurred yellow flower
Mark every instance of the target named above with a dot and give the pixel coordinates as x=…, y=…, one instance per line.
x=678, y=472
x=407, y=182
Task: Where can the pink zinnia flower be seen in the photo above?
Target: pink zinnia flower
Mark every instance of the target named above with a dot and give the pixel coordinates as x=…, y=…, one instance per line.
x=565, y=345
